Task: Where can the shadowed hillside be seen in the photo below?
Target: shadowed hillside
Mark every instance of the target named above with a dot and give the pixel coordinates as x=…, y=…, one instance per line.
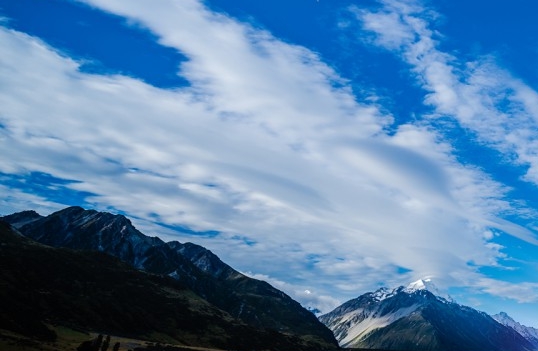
x=42, y=285
x=252, y=301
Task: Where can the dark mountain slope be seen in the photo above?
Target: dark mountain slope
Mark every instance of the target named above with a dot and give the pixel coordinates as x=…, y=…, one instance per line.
x=94, y=291
x=254, y=302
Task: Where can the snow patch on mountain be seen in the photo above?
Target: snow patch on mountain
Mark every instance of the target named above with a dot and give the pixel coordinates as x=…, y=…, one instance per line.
x=382, y=294
x=374, y=320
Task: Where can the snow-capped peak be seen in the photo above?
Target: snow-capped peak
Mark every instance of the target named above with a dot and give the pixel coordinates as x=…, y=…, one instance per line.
x=504, y=318
x=422, y=284
x=427, y=284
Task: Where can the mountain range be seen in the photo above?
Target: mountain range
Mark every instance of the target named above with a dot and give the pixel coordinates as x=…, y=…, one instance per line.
x=414, y=318
x=249, y=301
x=94, y=271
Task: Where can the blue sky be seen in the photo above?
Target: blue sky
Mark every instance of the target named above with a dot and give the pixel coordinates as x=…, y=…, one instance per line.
x=329, y=147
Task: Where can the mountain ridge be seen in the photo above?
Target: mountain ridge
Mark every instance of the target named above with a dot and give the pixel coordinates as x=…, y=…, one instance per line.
x=98, y=292
x=254, y=302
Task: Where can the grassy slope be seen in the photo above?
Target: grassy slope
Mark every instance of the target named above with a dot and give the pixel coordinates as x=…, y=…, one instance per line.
x=69, y=339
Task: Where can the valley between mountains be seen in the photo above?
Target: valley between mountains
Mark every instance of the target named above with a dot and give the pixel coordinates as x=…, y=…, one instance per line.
x=92, y=273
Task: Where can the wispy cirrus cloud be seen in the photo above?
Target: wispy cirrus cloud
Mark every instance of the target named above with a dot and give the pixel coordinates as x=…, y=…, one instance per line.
x=267, y=145
x=523, y=293
x=479, y=95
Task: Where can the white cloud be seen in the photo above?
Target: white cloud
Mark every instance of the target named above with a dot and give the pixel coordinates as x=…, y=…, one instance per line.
x=523, y=292
x=14, y=200
x=268, y=145
x=480, y=95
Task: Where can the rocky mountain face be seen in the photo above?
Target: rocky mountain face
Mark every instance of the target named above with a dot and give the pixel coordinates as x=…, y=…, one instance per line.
x=413, y=318
x=252, y=301
x=42, y=287
x=529, y=333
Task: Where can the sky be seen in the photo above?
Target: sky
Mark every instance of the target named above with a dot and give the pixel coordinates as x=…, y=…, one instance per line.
x=330, y=147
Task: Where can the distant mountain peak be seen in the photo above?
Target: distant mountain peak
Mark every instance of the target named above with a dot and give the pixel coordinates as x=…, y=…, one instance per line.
x=19, y=219
x=528, y=333
x=417, y=317
x=503, y=315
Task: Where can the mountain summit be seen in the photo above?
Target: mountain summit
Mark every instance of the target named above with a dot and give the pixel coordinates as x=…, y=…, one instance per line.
x=414, y=318
x=422, y=284
x=427, y=284
x=528, y=333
